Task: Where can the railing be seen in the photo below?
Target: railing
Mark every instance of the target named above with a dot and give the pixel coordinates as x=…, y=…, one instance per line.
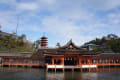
x=22, y=64
x=55, y=66
x=69, y=67
x=88, y=66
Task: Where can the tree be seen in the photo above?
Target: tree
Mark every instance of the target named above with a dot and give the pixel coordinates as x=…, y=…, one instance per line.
x=112, y=36
x=8, y=42
x=37, y=44
x=12, y=42
x=109, y=42
x=114, y=45
x=0, y=27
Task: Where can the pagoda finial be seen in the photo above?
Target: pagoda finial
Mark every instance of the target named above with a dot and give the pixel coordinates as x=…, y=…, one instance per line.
x=44, y=34
x=71, y=40
x=58, y=45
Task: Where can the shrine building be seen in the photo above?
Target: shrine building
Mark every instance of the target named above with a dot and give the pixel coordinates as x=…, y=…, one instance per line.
x=69, y=56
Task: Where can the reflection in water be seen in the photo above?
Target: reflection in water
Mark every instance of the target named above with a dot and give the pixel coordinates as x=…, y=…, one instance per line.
x=54, y=76
x=41, y=74
x=21, y=74
x=89, y=76
x=101, y=75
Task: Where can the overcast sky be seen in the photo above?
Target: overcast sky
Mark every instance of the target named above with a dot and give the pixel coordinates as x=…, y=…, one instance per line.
x=61, y=20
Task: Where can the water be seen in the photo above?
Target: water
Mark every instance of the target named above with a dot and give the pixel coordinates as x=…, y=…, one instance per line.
x=40, y=74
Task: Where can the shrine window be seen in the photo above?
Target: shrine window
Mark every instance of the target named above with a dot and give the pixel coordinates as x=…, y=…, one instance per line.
x=100, y=61
x=27, y=61
x=6, y=60
x=20, y=61
x=111, y=61
x=13, y=60
x=49, y=61
x=117, y=61
x=42, y=61
x=35, y=61
x=83, y=61
x=57, y=61
x=94, y=61
x=106, y=61
x=0, y=60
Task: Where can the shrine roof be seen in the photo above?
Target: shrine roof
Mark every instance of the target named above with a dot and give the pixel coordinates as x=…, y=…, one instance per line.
x=69, y=48
x=70, y=45
x=108, y=55
x=16, y=54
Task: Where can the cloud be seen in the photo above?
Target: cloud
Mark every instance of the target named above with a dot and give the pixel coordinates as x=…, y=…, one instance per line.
x=81, y=20
x=7, y=1
x=114, y=18
x=27, y=6
x=35, y=5
x=65, y=29
x=48, y=1
x=102, y=4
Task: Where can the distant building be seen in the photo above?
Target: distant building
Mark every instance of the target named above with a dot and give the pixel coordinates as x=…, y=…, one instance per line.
x=90, y=46
x=13, y=35
x=4, y=33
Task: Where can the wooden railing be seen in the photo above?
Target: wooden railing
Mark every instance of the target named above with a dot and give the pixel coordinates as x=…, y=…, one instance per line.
x=9, y=63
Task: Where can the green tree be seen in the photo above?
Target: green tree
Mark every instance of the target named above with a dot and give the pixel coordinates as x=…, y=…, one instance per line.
x=0, y=27
x=12, y=42
x=114, y=45
x=37, y=44
x=8, y=42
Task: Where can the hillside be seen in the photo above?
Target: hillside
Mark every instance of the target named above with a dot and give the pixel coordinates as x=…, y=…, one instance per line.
x=13, y=43
x=110, y=42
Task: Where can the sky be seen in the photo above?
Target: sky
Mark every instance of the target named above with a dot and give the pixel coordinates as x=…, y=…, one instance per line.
x=61, y=20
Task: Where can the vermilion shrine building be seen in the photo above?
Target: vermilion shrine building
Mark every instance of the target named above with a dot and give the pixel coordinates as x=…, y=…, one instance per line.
x=68, y=56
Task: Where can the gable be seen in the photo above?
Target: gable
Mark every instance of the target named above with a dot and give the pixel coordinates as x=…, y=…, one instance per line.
x=70, y=45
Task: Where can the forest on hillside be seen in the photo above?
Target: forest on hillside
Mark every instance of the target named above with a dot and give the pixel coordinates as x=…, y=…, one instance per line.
x=109, y=42
x=12, y=43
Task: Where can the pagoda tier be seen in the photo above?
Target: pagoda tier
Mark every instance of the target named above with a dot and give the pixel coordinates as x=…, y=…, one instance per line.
x=44, y=42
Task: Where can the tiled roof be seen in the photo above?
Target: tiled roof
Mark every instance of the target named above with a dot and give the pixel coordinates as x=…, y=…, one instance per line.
x=70, y=43
x=108, y=55
x=22, y=54
x=58, y=51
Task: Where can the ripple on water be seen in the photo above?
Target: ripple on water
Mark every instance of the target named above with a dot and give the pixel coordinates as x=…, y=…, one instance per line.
x=40, y=74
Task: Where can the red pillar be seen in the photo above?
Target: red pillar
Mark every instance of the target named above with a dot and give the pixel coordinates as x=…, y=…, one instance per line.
x=52, y=61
